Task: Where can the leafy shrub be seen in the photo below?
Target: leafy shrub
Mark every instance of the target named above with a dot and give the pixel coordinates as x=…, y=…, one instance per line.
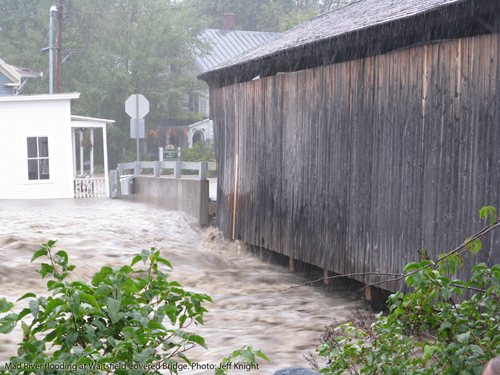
x=201, y=151
x=433, y=330
x=131, y=156
x=114, y=325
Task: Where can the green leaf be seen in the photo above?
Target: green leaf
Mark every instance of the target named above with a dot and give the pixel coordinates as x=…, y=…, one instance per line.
x=130, y=286
x=8, y=323
x=114, y=308
x=23, y=313
x=38, y=254
x=428, y=351
x=136, y=259
x=488, y=210
x=34, y=308
x=87, y=298
x=52, y=304
x=474, y=246
x=45, y=269
x=101, y=275
x=75, y=304
x=164, y=261
x=25, y=296
x=410, y=267
x=63, y=255
x=5, y=306
x=197, y=339
x=145, y=255
x=248, y=356
x=183, y=356
x=258, y=353
x=464, y=337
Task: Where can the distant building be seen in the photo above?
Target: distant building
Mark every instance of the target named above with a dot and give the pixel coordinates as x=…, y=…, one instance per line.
x=11, y=76
x=227, y=44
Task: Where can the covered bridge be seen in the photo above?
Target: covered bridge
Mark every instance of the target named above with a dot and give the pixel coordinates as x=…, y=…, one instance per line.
x=364, y=135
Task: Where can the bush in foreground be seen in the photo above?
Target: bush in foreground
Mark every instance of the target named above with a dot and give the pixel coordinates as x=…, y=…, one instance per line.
x=430, y=331
x=115, y=325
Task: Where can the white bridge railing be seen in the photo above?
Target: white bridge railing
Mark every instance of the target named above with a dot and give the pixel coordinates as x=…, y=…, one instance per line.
x=90, y=187
x=177, y=166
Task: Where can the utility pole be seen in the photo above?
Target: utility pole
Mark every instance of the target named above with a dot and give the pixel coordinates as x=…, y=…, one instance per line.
x=53, y=11
x=58, y=45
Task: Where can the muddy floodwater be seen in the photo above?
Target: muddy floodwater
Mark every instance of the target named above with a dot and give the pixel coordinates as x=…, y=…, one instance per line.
x=248, y=307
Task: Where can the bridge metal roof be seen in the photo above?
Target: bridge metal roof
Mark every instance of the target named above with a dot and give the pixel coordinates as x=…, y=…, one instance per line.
x=228, y=44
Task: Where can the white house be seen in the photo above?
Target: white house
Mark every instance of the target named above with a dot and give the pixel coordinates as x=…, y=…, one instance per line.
x=11, y=77
x=38, y=149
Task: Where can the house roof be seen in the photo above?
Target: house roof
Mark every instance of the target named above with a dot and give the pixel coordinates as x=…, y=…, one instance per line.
x=28, y=98
x=228, y=44
x=361, y=29
x=15, y=73
x=75, y=118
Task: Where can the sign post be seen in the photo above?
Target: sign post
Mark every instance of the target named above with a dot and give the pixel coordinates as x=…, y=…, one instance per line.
x=137, y=106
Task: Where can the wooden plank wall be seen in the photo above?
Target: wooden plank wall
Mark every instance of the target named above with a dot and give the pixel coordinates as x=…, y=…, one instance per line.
x=356, y=166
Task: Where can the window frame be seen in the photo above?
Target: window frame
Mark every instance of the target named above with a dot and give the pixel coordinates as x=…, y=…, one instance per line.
x=37, y=158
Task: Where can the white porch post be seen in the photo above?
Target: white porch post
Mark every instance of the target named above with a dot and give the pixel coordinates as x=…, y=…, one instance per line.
x=105, y=152
x=92, y=152
x=81, y=153
x=73, y=148
x=190, y=138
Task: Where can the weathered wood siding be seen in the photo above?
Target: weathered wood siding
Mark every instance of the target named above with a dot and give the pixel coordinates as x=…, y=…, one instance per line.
x=356, y=166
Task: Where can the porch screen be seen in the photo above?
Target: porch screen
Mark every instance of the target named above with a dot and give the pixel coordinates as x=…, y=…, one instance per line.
x=38, y=158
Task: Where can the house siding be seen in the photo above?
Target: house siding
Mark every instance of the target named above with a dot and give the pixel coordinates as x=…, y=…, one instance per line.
x=23, y=119
x=5, y=90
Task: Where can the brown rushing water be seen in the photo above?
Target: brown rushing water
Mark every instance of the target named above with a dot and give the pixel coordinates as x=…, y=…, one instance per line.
x=248, y=307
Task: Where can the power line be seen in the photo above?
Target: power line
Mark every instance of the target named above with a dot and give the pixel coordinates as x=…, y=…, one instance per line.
x=153, y=10
x=22, y=54
x=108, y=86
x=26, y=9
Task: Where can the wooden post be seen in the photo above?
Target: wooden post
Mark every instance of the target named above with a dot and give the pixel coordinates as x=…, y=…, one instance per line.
x=374, y=294
x=327, y=274
x=58, y=46
x=292, y=264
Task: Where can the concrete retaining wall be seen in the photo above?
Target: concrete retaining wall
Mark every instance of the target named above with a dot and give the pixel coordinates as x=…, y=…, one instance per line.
x=175, y=194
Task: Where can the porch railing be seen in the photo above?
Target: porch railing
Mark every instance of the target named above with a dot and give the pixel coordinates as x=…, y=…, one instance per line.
x=90, y=187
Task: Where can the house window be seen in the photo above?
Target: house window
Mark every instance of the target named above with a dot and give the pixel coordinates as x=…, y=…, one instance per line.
x=38, y=158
